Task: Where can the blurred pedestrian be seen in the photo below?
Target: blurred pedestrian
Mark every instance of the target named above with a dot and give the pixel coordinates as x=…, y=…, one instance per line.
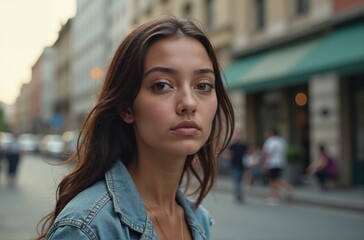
x=275, y=148
x=2, y=152
x=162, y=106
x=237, y=150
x=254, y=165
x=324, y=168
x=13, y=154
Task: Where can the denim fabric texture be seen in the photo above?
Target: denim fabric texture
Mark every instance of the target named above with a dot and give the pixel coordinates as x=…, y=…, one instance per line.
x=113, y=209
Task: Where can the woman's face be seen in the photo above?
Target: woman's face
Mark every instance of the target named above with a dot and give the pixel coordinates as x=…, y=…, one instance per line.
x=176, y=104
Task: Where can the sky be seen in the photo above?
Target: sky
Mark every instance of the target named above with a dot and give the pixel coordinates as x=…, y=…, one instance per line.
x=26, y=28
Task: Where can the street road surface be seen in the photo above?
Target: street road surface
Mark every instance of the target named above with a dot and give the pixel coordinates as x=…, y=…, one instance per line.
x=255, y=220
x=21, y=207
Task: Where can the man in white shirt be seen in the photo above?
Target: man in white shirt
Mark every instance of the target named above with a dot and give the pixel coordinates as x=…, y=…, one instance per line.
x=275, y=148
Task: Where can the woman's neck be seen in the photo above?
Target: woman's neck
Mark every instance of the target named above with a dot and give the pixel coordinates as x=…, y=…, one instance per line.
x=157, y=179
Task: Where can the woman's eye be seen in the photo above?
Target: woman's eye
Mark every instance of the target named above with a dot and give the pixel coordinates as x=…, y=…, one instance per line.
x=161, y=86
x=206, y=87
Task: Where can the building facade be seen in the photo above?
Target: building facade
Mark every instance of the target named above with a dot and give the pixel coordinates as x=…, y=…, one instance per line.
x=90, y=55
x=63, y=79
x=298, y=66
x=22, y=110
x=40, y=93
x=119, y=23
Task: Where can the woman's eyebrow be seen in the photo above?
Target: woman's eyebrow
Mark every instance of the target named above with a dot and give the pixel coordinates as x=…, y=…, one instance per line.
x=175, y=72
x=203, y=71
x=161, y=69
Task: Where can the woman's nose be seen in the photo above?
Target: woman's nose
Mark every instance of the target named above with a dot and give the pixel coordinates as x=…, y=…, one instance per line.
x=186, y=102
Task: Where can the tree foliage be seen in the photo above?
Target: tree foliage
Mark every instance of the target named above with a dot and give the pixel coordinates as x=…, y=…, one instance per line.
x=4, y=127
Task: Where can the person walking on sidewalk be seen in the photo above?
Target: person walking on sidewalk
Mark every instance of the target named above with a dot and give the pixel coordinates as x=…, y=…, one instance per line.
x=237, y=151
x=254, y=164
x=2, y=153
x=275, y=148
x=13, y=155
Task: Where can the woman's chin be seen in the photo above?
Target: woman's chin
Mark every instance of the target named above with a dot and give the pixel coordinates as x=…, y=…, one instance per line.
x=191, y=150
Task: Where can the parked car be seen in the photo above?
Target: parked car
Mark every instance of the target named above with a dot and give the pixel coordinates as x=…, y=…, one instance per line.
x=28, y=142
x=70, y=141
x=52, y=145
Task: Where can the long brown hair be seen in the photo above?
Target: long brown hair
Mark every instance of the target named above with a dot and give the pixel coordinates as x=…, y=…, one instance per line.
x=105, y=138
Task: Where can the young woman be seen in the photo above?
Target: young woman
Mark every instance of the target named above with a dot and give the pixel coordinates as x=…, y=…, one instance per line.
x=161, y=107
x=324, y=168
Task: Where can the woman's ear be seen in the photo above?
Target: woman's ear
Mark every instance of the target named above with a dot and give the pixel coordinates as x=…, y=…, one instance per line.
x=127, y=115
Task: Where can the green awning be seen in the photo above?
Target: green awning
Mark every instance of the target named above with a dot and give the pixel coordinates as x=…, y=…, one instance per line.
x=341, y=51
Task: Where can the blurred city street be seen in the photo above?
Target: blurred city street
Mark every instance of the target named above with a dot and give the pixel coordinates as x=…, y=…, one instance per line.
x=290, y=67
x=23, y=205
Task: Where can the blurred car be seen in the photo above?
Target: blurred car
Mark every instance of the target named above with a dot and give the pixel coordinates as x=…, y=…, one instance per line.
x=70, y=142
x=28, y=142
x=52, y=145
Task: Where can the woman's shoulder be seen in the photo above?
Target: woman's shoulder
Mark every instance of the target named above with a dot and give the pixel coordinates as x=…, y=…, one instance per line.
x=84, y=215
x=92, y=197
x=204, y=216
x=201, y=221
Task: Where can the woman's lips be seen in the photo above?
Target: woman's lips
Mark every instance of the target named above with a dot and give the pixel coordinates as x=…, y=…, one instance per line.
x=186, y=128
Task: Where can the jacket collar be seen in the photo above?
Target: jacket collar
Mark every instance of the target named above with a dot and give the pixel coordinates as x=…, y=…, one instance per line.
x=128, y=203
x=194, y=225
x=126, y=199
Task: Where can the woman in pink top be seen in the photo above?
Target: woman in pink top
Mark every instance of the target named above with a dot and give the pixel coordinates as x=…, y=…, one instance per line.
x=324, y=168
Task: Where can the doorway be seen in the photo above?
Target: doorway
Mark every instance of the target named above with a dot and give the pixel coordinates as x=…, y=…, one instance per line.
x=357, y=130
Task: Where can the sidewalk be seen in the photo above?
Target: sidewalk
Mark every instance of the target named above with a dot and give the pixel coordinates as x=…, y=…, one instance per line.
x=348, y=199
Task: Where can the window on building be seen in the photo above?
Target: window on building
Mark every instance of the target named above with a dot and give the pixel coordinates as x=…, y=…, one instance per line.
x=210, y=14
x=136, y=10
x=260, y=14
x=136, y=7
x=187, y=10
x=150, y=5
x=302, y=7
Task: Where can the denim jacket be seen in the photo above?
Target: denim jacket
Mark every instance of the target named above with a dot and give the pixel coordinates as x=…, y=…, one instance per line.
x=112, y=209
